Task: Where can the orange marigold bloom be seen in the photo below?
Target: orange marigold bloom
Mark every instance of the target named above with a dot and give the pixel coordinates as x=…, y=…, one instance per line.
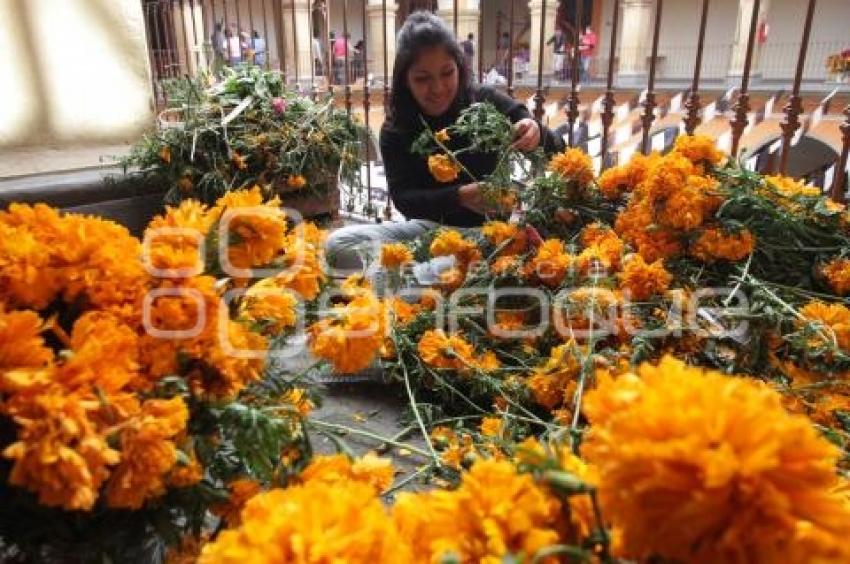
x=491, y=426
x=837, y=274
x=550, y=263
x=339, y=470
x=451, y=242
x=21, y=343
x=791, y=187
x=698, y=149
x=185, y=475
x=106, y=354
x=443, y=168
x=573, y=164
x=643, y=280
x=833, y=317
x=241, y=491
x=403, y=312
x=714, y=245
x=147, y=453
x=266, y=302
x=165, y=154
x=300, y=401
x=303, y=271
x=495, y=512
x=256, y=229
x=550, y=381
x=697, y=466
x=59, y=455
x=311, y=523
x=231, y=371
x=442, y=135
x=296, y=182
x=442, y=351
x=668, y=175
x=500, y=232
x=352, y=336
x=394, y=255
x=684, y=209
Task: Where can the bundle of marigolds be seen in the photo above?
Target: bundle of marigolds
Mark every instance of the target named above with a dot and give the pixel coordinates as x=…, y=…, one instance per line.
x=132, y=387
x=249, y=131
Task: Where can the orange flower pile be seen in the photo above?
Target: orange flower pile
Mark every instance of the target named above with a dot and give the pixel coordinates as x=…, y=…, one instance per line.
x=573, y=164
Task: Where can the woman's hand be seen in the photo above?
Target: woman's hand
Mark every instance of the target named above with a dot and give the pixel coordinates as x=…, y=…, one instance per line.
x=470, y=197
x=526, y=135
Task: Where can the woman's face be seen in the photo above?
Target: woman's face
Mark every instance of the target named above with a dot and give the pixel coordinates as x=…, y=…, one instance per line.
x=433, y=81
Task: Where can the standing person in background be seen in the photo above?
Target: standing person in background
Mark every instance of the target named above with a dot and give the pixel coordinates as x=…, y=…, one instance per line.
x=558, y=41
x=587, y=49
x=357, y=59
x=219, y=44
x=259, y=49
x=340, y=48
x=468, y=47
x=234, y=47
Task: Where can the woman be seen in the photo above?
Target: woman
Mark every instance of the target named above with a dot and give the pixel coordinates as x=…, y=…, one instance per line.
x=431, y=81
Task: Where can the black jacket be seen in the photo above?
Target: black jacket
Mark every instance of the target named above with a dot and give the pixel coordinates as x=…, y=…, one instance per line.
x=415, y=192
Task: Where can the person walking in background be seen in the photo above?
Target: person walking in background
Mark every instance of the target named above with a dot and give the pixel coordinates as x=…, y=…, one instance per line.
x=558, y=41
x=259, y=45
x=587, y=50
x=468, y=46
x=503, y=49
x=234, y=47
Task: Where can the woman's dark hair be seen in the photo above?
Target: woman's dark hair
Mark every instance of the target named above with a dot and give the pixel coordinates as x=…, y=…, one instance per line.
x=422, y=30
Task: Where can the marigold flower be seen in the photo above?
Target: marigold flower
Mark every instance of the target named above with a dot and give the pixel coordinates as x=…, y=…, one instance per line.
x=148, y=453
x=339, y=470
x=441, y=351
x=667, y=176
x=491, y=426
x=257, y=233
x=833, y=317
x=550, y=263
x=185, y=475
x=21, y=343
x=352, y=336
x=696, y=466
x=494, y=512
x=394, y=255
x=452, y=242
x=165, y=154
x=714, y=245
x=231, y=372
x=266, y=302
x=442, y=135
x=59, y=455
x=573, y=164
x=500, y=232
x=550, y=381
x=643, y=280
x=698, y=149
x=443, y=168
x=311, y=523
x=296, y=182
x=241, y=491
x=837, y=274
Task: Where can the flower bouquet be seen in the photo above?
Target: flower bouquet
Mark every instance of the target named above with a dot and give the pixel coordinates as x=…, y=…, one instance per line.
x=247, y=131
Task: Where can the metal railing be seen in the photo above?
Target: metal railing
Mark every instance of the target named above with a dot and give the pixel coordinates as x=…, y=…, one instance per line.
x=183, y=39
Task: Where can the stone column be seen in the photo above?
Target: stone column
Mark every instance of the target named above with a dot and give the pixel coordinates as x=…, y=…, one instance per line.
x=739, y=46
x=298, y=40
x=635, y=38
x=374, y=35
x=535, y=7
